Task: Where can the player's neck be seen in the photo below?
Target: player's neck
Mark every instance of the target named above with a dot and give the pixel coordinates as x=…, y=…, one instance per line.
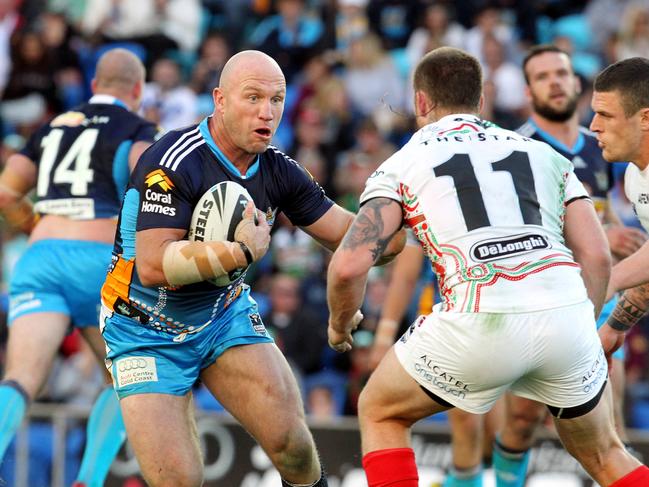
x=239, y=158
x=565, y=132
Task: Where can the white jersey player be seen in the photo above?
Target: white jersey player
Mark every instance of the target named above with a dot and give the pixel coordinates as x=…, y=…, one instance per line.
x=522, y=263
x=483, y=202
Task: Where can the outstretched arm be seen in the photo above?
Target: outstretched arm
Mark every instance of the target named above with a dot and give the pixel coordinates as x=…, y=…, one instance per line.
x=367, y=239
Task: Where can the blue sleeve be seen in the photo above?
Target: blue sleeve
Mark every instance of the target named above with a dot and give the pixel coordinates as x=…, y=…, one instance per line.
x=166, y=196
x=147, y=132
x=32, y=148
x=304, y=200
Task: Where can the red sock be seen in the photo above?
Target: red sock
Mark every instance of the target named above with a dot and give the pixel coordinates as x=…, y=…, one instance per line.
x=394, y=467
x=637, y=478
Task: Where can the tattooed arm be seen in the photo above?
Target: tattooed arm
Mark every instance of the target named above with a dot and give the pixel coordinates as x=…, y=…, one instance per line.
x=365, y=242
x=330, y=229
x=631, y=307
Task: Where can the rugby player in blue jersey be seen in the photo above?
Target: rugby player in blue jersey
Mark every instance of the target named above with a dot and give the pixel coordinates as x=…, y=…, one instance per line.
x=166, y=326
x=79, y=164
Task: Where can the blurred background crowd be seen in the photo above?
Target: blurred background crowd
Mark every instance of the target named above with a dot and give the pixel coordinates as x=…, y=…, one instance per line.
x=348, y=65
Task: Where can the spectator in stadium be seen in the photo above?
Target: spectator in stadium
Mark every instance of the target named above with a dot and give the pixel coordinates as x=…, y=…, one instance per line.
x=56, y=282
x=475, y=345
x=157, y=25
x=30, y=95
x=372, y=81
x=438, y=30
x=632, y=38
x=168, y=321
x=509, y=104
x=166, y=100
x=214, y=52
x=553, y=91
x=296, y=329
x=291, y=36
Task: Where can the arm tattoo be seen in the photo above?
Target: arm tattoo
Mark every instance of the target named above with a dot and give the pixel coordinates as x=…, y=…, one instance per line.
x=368, y=228
x=627, y=313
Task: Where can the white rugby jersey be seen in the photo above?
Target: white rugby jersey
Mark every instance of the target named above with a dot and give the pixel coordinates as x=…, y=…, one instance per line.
x=487, y=205
x=636, y=187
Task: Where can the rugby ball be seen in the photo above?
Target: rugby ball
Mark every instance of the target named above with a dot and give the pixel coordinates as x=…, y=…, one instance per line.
x=215, y=218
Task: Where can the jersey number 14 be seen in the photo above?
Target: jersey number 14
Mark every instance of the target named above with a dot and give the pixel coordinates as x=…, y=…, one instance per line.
x=74, y=168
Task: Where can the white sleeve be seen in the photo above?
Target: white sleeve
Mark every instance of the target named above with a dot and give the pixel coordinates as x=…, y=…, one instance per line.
x=383, y=183
x=574, y=188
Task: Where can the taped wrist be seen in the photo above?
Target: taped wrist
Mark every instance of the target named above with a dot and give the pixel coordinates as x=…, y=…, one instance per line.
x=187, y=262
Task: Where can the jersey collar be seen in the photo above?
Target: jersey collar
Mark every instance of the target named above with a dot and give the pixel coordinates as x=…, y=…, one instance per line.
x=205, y=132
x=107, y=100
x=579, y=144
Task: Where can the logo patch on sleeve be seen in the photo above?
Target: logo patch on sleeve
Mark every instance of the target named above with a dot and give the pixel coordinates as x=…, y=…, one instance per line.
x=158, y=179
x=257, y=324
x=132, y=370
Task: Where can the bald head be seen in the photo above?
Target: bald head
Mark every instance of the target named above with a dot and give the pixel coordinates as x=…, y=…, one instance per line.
x=118, y=69
x=247, y=62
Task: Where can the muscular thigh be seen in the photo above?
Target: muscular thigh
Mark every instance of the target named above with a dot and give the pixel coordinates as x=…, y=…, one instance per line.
x=252, y=380
x=162, y=432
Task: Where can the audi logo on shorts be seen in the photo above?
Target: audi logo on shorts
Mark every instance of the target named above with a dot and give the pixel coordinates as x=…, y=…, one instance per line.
x=133, y=363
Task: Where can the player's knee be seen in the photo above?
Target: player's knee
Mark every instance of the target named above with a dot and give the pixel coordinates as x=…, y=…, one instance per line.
x=368, y=407
x=293, y=451
x=523, y=422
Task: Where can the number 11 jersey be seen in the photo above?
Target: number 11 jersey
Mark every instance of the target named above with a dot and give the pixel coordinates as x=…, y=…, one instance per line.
x=488, y=206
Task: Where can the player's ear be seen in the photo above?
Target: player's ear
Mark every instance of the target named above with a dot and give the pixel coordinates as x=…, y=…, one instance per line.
x=93, y=85
x=481, y=104
x=217, y=96
x=644, y=119
x=422, y=104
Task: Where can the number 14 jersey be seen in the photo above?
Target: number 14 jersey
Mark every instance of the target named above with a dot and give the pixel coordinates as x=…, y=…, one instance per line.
x=82, y=158
x=488, y=206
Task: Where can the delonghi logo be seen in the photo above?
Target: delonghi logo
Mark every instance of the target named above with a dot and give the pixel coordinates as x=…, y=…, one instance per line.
x=498, y=248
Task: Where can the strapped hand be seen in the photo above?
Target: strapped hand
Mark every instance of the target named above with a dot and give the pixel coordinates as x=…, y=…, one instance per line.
x=253, y=231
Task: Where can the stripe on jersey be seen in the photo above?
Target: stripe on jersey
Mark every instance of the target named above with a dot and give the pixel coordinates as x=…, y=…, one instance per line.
x=184, y=154
x=178, y=146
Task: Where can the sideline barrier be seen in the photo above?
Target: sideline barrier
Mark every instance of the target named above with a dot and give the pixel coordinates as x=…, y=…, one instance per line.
x=233, y=459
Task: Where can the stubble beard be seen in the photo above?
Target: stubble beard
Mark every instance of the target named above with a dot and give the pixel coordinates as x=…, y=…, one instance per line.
x=553, y=114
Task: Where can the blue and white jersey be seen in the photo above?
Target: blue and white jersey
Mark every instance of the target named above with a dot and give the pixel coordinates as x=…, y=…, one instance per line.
x=169, y=179
x=590, y=167
x=82, y=158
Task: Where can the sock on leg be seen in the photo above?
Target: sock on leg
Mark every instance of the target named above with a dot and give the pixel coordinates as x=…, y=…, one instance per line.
x=393, y=467
x=637, y=478
x=471, y=477
x=510, y=466
x=105, y=434
x=321, y=482
x=14, y=402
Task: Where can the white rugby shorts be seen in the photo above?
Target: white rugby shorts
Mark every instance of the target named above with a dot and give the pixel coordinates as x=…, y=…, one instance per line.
x=470, y=359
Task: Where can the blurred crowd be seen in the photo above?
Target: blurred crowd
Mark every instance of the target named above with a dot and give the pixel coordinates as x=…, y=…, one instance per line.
x=348, y=66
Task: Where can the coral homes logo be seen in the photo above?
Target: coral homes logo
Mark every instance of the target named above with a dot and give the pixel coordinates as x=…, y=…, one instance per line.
x=158, y=177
